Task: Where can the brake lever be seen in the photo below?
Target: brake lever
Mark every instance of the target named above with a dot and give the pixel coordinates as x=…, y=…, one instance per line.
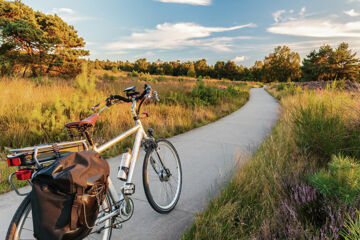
x=108, y=100
x=96, y=106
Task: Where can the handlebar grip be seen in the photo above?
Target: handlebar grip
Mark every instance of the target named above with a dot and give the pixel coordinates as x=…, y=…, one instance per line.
x=94, y=107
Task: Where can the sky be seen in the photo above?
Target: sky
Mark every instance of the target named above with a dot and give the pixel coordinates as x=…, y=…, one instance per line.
x=188, y=30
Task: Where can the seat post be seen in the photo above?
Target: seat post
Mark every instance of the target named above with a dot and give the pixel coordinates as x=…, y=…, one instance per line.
x=89, y=138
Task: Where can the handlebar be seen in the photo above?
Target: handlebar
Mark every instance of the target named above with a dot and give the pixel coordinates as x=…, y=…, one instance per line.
x=147, y=90
x=131, y=97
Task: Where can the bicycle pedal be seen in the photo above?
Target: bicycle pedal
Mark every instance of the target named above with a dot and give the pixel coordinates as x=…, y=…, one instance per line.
x=129, y=189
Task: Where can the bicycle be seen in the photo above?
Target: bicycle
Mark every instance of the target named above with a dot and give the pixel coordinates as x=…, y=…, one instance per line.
x=161, y=170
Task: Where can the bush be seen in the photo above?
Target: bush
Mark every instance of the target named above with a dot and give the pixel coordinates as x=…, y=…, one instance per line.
x=304, y=213
x=319, y=131
x=114, y=69
x=336, y=85
x=108, y=77
x=205, y=95
x=342, y=180
x=161, y=78
x=181, y=80
x=281, y=87
x=146, y=77
x=134, y=74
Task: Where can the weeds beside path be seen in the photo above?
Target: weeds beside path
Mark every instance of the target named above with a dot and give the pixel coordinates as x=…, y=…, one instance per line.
x=303, y=181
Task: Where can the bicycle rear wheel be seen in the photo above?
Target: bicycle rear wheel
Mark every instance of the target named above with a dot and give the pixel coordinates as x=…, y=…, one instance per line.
x=21, y=225
x=162, y=177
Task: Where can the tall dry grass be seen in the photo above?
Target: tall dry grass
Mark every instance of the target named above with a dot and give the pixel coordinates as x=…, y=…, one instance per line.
x=262, y=199
x=35, y=111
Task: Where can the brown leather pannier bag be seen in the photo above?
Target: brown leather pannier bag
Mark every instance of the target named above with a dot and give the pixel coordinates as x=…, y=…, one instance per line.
x=66, y=196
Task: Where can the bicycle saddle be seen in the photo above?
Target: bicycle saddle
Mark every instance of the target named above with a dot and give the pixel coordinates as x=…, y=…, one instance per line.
x=87, y=122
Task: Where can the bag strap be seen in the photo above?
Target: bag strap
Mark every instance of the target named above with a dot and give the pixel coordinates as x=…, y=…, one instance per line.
x=76, y=208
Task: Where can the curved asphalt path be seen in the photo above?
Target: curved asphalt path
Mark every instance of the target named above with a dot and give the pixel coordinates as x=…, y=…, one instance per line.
x=208, y=156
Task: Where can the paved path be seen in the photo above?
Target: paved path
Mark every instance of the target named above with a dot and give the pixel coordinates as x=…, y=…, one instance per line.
x=208, y=155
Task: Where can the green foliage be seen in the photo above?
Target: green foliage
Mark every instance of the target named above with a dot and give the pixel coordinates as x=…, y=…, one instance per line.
x=86, y=81
x=351, y=229
x=282, y=65
x=281, y=86
x=134, y=74
x=108, y=77
x=211, y=95
x=342, y=180
x=329, y=64
x=191, y=72
x=336, y=84
x=114, y=69
x=205, y=95
x=42, y=41
x=161, y=78
x=39, y=80
x=146, y=77
x=319, y=130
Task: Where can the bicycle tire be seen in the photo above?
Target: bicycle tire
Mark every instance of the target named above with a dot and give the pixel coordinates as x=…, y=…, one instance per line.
x=149, y=195
x=24, y=208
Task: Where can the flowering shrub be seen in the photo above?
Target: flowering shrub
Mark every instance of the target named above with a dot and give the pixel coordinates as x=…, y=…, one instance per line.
x=305, y=213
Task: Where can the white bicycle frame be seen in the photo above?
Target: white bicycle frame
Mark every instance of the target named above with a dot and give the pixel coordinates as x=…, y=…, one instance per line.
x=140, y=135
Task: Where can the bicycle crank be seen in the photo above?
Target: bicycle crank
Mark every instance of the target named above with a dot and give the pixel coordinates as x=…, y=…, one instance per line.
x=126, y=209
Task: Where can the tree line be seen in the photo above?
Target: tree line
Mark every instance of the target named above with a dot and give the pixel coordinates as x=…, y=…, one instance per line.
x=31, y=41
x=282, y=65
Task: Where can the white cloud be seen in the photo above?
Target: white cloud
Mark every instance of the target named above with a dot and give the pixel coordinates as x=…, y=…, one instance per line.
x=62, y=10
x=68, y=15
x=192, y=2
x=277, y=15
x=321, y=28
x=352, y=13
x=284, y=15
x=239, y=59
x=178, y=36
x=302, y=25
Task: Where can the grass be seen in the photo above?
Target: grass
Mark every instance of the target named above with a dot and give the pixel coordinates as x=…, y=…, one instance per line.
x=34, y=111
x=271, y=197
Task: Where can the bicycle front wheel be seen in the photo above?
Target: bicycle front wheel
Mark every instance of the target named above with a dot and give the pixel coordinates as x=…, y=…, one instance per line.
x=162, y=176
x=21, y=225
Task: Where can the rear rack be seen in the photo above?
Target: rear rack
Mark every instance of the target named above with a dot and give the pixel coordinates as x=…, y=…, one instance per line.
x=43, y=153
x=36, y=156
x=50, y=146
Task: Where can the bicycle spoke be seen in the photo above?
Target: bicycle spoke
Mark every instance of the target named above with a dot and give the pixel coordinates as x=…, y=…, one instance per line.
x=163, y=189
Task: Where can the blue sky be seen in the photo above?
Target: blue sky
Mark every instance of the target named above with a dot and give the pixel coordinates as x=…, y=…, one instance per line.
x=239, y=30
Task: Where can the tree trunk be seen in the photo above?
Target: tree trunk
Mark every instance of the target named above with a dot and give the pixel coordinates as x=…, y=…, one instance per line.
x=25, y=70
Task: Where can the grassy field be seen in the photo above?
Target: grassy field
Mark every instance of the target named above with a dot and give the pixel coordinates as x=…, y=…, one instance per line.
x=34, y=111
x=303, y=182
